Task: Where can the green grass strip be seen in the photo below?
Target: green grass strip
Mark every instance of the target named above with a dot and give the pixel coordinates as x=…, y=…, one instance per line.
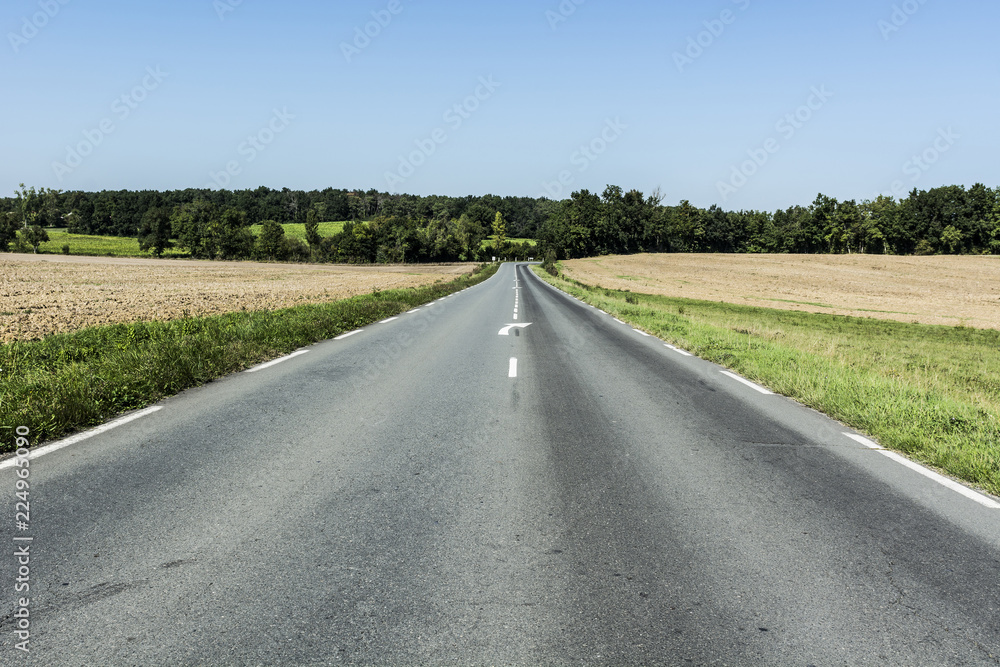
x=99, y=246
x=66, y=382
x=298, y=229
x=931, y=392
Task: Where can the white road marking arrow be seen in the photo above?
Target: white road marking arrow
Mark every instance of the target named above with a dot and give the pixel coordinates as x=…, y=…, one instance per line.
x=506, y=330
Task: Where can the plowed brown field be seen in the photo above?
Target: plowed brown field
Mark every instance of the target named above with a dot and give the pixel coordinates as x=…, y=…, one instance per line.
x=45, y=294
x=932, y=290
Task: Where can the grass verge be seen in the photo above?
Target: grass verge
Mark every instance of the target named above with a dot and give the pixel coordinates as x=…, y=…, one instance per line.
x=298, y=230
x=99, y=246
x=126, y=246
x=66, y=382
x=931, y=392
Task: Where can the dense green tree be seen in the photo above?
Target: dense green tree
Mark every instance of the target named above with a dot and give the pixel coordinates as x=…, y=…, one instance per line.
x=610, y=233
x=849, y=224
x=471, y=234
x=10, y=221
x=271, y=241
x=294, y=250
x=826, y=223
x=83, y=207
x=686, y=228
x=994, y=223
x=34, y=236
x=951, y=240
x=721, y=233
x=759, y=231
x=568, y=229
x=194, y=226
x=154, y=230
x=880, y=221
x=636, y=212
x=312, y=228
x=29, y=203
x=235, y=240
x=656, y=228
x=794, y=231
x=441, y=240
x=930, y=212
x=499, y=234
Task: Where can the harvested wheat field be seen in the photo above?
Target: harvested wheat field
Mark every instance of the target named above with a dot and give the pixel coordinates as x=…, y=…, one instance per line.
x=46, y=294
x=951, y=290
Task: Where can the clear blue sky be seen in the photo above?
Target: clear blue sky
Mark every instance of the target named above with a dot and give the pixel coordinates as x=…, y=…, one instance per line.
x=597, y=74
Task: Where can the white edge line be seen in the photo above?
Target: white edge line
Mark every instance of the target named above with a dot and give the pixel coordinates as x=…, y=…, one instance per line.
x=73, y=439
x=412, y=311
x=916, y=467
x=619, y=321
x=926, y=472
x=513, y=368
x=274, y=362
x=752, y=385
x=349, y=333
x=942, y=480
x=642, y=333
x=391, y=319
x=863, y=440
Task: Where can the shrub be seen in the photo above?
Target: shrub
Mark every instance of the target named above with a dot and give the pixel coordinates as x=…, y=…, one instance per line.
x=549, y=263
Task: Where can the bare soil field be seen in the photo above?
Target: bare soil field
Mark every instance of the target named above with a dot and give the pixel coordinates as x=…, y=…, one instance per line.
x=46, y=294
x=951, y=290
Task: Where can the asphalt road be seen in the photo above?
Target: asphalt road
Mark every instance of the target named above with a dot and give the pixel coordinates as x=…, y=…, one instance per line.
x=427, y=491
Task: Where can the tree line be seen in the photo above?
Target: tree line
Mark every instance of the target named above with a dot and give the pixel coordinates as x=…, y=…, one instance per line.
x=404, y=239
x=120, y=213
x=207, y=231
x=395, y=228
x=945, y=220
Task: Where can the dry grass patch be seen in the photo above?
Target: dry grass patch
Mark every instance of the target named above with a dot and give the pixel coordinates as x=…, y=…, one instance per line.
x=950, y=290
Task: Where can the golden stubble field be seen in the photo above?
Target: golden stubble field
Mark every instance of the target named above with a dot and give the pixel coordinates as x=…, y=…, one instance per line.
x=46, y=294
x=950, y=290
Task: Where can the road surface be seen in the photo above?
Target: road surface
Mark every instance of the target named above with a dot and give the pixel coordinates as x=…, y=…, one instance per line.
x=429, y=491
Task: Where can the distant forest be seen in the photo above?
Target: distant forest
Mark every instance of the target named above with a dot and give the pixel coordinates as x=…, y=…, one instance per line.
x=214, y=224
x=399, y=227
x=120, y=212
x=945, y=220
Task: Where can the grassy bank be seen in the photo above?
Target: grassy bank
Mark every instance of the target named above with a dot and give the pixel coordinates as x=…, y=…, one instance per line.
x=932, y=392
x=125, y=246
x=298, y=230
x=98, y=246
x=69, y=381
